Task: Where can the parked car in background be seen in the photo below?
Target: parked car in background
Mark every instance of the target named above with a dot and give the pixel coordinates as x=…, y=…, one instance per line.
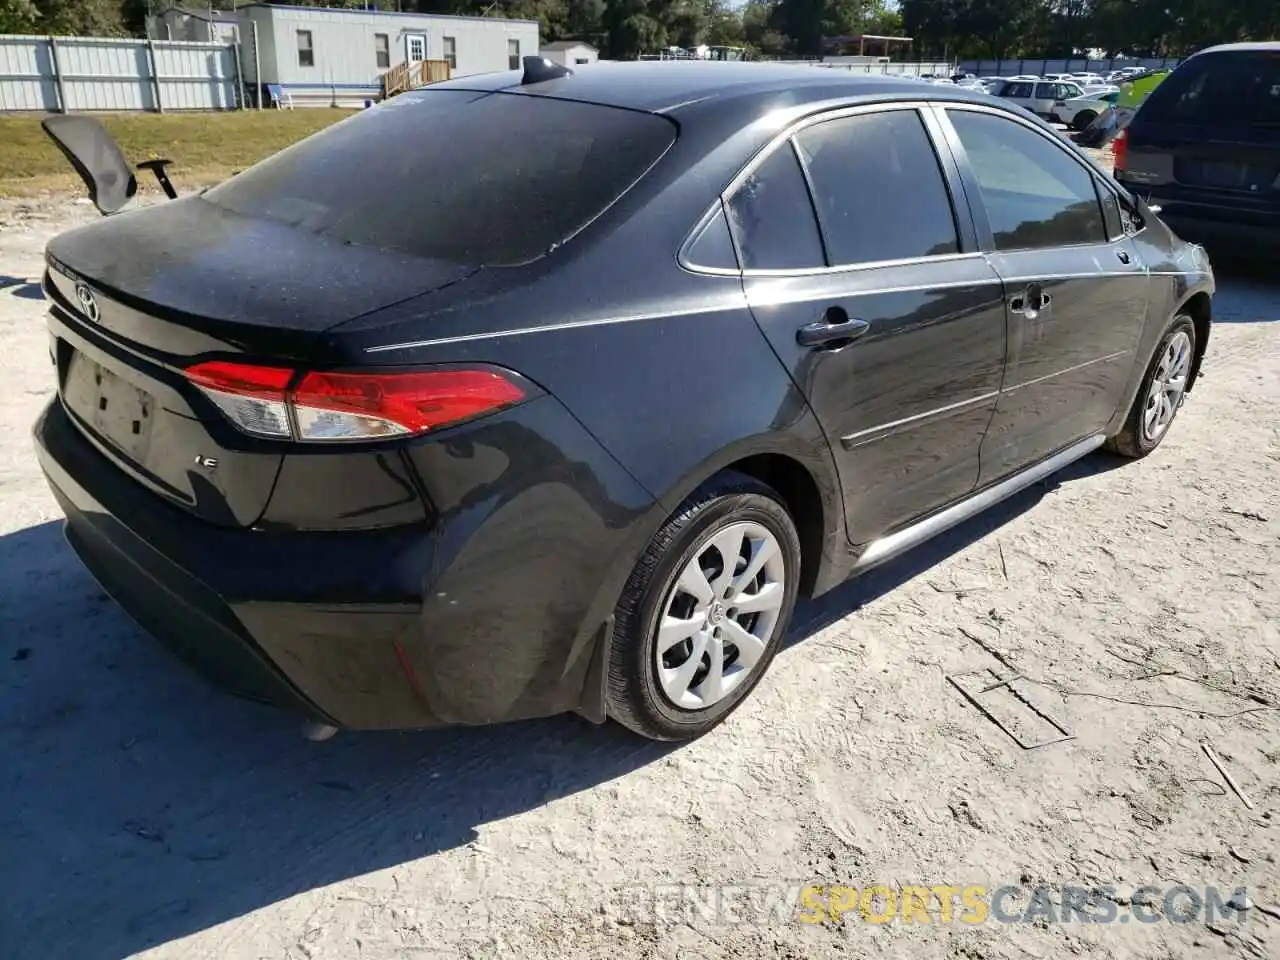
x=1087, y=79
x=1078, y=112
x=484, y=434
x=1205, y=144
x=1041, y=97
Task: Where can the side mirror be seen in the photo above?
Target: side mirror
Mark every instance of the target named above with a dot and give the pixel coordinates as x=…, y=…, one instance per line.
x=97, y=158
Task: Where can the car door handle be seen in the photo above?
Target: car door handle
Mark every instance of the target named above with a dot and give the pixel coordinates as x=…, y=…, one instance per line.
x=1123, y=255
x=836, y=327
x=1030, y=304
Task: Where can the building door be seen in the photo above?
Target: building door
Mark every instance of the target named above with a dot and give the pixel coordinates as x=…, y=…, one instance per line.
x=415, y=47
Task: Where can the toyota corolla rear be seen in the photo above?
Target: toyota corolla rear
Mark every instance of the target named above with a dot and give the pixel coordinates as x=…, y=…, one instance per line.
x=340, y=539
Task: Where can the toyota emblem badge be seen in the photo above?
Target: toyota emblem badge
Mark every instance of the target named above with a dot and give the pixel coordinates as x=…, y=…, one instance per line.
x=88, y=302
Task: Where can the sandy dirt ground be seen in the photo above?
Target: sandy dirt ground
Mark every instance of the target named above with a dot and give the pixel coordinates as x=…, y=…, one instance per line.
x=142, y=812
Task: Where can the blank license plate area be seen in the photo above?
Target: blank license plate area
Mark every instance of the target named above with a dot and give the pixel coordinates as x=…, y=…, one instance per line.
x=118, y=411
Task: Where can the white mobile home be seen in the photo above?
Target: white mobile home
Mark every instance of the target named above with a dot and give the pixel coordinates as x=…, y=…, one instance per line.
x=324, y=56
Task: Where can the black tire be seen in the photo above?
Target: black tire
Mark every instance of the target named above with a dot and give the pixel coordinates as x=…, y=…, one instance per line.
x=1132, y=440
x=1083, y=119
x=634, y=697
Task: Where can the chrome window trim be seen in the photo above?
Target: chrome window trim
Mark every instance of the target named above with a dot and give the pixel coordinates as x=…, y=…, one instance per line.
x=1079, y=158
x=783, y=138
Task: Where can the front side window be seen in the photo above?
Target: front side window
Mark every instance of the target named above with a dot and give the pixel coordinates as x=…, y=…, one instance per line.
x=438, y=178
x=1047, y=91
x=306, y=52
x=772, y=218
x=1036, y=194
x=878, y=188
x=382, y=50
x=513, y=54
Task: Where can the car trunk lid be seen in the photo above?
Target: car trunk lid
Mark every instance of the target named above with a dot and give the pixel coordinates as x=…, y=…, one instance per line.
x=200, y=282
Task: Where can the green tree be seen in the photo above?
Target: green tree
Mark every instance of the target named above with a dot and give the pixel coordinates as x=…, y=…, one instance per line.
x=18, y=16
x=84, y=18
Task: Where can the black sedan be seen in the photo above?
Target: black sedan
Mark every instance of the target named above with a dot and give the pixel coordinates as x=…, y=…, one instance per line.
x=525, y=394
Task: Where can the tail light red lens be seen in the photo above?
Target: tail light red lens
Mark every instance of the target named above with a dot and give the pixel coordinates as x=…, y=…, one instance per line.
x=252, y=397
x=342, y=406
x=353, y=406
x=1120, y=150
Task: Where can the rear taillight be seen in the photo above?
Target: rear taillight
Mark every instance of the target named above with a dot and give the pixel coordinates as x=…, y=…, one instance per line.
x=340, y=406
x=1120, y=150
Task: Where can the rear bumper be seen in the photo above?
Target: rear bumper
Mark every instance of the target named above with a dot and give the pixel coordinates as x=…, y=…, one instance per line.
x=1193, y=224
x=1221, y=224
x=400, y=627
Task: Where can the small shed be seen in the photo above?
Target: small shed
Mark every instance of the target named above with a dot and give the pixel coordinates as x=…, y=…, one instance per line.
x=570, y=53
x=178, y=22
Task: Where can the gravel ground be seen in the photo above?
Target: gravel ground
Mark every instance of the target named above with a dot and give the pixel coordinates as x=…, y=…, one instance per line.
x=143, y=813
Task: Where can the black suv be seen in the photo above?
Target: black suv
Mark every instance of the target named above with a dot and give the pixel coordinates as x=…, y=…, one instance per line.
x=1205, y=145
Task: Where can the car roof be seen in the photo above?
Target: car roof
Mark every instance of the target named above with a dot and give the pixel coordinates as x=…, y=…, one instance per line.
x=671, y=86
x=1260, y=46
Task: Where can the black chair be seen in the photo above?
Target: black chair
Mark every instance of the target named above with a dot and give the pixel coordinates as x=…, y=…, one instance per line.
x=102, y=166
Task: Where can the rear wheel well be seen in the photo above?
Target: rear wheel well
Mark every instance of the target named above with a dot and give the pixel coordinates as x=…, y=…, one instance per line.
x=803, y=501
x=1199, y=308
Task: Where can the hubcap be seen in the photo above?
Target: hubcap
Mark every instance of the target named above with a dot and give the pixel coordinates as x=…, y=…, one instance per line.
x=719, y=615
x=1167, y=386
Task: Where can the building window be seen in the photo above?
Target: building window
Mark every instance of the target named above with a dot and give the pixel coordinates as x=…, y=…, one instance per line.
x=382, y=46
x=451, y=52
x=578, y=61
x=513, y=54
x=306, y=53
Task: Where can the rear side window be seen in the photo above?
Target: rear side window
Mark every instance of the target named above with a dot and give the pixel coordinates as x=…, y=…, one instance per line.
x=481, y=179
x=772, y=217
x=878, y=188
x=1018, y=91
x=1219, y=89
x=1035, y=194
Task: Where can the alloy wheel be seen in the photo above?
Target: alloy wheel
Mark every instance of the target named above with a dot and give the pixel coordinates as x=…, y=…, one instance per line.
x=719, y=615
x=1167, y=386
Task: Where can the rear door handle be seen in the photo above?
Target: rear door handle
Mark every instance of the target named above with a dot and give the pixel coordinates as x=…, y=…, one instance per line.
x=1123, y=255
x=1032, y=303
x=835, y=327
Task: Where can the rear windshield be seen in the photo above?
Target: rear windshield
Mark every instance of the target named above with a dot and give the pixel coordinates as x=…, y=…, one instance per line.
x=1220, y=89
x=483, y=179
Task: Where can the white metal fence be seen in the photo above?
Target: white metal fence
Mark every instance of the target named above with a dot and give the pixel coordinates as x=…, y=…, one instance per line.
x=68, y=74
x=1038, y=68
x=898, y=68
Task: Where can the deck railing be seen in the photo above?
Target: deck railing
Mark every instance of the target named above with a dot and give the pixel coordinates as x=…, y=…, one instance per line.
x=414, y=74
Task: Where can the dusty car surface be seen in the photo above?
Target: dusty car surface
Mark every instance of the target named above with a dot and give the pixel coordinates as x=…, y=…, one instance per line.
x=529, y=394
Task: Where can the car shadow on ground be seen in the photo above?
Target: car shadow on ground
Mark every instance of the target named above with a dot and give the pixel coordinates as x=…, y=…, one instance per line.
x=1247, y=287
x=138, y=805
x=21, y=287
